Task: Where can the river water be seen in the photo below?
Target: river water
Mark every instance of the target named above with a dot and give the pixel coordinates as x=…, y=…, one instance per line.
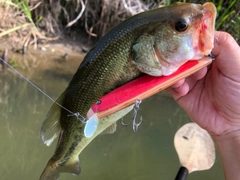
x=124, y=155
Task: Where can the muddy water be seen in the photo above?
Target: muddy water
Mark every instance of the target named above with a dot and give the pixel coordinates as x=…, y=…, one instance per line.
x=125, y=155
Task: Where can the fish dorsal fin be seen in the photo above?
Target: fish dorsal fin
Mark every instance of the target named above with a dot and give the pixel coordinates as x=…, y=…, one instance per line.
x=51, y=125
x=111, y=129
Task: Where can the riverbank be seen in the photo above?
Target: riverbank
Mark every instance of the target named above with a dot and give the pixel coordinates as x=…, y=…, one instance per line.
x=52, y=61
x=47, y=55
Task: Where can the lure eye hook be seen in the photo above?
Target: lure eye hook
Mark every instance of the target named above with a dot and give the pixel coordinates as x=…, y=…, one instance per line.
x=79, y=117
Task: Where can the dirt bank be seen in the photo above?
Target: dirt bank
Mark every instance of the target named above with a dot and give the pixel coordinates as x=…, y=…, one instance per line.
x=66, y=53
x=56, y=61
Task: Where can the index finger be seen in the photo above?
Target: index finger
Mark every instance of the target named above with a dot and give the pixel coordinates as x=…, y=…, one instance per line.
x=227, y=53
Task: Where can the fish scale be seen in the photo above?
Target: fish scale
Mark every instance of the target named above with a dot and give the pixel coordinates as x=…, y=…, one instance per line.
x=108, y=65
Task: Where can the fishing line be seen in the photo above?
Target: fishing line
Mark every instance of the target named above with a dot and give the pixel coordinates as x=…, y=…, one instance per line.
x=77, y=115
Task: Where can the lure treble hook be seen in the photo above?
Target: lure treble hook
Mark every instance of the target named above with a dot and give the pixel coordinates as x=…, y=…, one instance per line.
x=133, y=120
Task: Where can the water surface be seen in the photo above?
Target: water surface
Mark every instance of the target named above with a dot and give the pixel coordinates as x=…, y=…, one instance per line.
x=124, y=155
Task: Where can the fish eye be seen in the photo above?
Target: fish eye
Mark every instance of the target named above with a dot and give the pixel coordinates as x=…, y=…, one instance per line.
x=181, y=25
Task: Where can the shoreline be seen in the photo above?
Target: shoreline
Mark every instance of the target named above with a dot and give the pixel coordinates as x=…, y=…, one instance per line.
x=46, y=55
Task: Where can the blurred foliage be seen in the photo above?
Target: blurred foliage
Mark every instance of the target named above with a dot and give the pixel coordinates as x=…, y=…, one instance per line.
x=16, y=22
x=100, y=16
x=55, y=18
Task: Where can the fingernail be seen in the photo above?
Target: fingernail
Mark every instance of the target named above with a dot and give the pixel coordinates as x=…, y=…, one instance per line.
x=216, y=40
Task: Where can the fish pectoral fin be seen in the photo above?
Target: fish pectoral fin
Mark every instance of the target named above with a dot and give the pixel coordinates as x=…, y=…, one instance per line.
x=111, y=129
x=51, y=125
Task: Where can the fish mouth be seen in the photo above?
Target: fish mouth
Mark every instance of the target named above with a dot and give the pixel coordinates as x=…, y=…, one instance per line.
x=206, y=28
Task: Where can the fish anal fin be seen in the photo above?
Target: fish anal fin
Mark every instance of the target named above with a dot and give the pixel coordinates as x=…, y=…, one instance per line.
x=72, y=167
x=110, y=129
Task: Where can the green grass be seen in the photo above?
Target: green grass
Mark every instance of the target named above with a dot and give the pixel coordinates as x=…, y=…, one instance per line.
x=22, y=6
x=8, y=31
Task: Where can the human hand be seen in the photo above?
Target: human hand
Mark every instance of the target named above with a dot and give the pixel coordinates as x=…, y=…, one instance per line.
x=211, y=97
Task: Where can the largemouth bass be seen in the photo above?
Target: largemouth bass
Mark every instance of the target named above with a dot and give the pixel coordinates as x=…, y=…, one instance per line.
x=155, y=42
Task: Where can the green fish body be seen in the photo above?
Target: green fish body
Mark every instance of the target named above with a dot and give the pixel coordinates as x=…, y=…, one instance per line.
x=145, y=43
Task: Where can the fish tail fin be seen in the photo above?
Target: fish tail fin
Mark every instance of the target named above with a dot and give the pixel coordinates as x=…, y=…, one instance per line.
x=53, y=169
x=51, y=172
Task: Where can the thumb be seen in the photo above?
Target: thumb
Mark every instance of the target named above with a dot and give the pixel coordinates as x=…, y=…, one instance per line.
x=227, y=53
